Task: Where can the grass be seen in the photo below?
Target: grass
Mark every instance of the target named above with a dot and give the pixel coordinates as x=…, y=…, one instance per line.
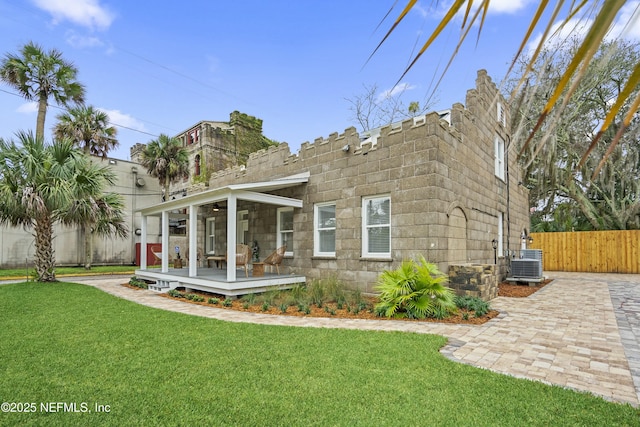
x=63, y=342
x=67, y=271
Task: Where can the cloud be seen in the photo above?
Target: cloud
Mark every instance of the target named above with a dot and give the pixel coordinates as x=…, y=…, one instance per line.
x=117, y=118
x=78, y=41
x=28, y=108
x=626, y=25
x=87, y=13
x=508, y=6
x=398, y=89
x=495, y=7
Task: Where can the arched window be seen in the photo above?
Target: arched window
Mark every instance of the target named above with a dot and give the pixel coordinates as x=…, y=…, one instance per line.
x=197, y=165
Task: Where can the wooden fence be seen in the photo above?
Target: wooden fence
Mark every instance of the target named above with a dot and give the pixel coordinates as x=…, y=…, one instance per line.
x=590, y=251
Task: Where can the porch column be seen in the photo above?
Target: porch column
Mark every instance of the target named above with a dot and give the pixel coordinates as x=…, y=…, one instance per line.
x=165, y=242
x=193, y=241
x=232, y=213
x=143, y=243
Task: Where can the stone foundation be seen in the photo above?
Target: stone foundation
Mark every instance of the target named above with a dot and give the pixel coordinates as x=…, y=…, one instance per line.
x=478, y=280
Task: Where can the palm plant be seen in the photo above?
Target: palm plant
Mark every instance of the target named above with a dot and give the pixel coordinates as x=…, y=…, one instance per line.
x=88, y=128
x=414, y=290
x=598, y=16
x=38, y=75
x=166, y=159
x=41, y=185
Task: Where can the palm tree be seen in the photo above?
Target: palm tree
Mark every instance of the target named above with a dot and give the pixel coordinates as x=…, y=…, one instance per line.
x=88, y=128
x=599, y=17
x=41, y=185
x=166, y=159
x=38, y=75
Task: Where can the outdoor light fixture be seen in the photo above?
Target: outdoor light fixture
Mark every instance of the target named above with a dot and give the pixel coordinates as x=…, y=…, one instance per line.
x=138, y=231
x=346, y=148
x=530, y=240
x=494, y=245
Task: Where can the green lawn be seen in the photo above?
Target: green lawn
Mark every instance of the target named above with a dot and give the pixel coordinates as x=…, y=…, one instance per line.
x=66, y=271
x=70, y=343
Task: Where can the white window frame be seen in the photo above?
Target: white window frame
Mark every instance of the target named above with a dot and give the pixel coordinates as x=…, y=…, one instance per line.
x=502, y=119
x=210, y=231
x=280, y=241
x=317, y=230
x=499, y=149
x=366, y=227
x=500, y=234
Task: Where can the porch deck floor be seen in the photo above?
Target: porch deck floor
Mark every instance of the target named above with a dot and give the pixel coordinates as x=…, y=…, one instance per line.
x=218, y=274
x=215, y=280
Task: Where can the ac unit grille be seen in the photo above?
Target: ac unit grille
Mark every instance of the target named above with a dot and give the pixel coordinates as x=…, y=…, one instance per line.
x=526, y=268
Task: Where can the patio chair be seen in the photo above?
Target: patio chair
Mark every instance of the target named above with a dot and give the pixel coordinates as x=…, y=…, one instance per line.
x=198, y=255
x=243, y=257
x=276, y=258
x=156, y=250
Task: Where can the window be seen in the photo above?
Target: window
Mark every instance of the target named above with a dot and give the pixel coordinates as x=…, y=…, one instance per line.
x=196, y=171
x=376, y=227
x=193, y=136
x=325, y=229
x=499, y=157
x=210, y=243
x=177, y=227
x=285, y=229
x=500, y=113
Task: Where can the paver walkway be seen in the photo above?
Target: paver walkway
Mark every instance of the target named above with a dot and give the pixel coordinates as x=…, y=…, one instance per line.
x=582, y=331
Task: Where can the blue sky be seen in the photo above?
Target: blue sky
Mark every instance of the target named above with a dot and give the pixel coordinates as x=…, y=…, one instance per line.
x=160, y=67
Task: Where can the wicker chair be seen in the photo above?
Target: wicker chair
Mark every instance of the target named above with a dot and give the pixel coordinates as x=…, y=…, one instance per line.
x=243, y=257
x=156, y=250
x=198, y=256
x=276, y=258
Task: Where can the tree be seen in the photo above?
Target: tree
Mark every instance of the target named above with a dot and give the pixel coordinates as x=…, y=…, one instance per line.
x=38, y=75
x=372, y=109
x=42, y=185
x=89, y=130
x=552, y=158
x=600, y=16
x=166, y=159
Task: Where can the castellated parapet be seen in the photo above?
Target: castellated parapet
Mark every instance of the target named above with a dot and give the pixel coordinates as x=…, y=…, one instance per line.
x=439, y=171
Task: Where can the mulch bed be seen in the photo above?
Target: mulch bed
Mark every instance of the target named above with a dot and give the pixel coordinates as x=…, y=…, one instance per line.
x=462, y=317
x=520, y=290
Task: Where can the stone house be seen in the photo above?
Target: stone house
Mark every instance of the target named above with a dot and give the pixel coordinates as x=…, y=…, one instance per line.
x=443, y=185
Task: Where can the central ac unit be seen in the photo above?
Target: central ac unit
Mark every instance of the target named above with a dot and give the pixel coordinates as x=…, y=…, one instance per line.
x=526, y=268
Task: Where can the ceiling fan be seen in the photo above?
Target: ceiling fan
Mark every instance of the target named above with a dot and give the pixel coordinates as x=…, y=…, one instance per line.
x=217, y=207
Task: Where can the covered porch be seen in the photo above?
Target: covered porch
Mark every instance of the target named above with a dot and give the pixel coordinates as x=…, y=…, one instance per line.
x=198, y=208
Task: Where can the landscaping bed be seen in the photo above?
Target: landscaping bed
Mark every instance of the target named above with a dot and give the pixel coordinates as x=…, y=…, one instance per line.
x=353, y=305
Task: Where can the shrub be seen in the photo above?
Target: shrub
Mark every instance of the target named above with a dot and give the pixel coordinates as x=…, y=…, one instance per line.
x=414, y=290
x=228, y=302
x=475, y=304
x=284, y=307
x=315, y=291
x=138, y=283
x=197, y=298
x=299, y=293
x=213, y=301
x=249, y=298
x=175, y=293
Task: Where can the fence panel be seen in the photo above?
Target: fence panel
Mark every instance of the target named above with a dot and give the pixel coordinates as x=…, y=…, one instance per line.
x=614, y=251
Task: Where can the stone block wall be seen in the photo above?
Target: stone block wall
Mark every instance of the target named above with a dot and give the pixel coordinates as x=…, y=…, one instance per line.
x=477, y=280
x=439, y=175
